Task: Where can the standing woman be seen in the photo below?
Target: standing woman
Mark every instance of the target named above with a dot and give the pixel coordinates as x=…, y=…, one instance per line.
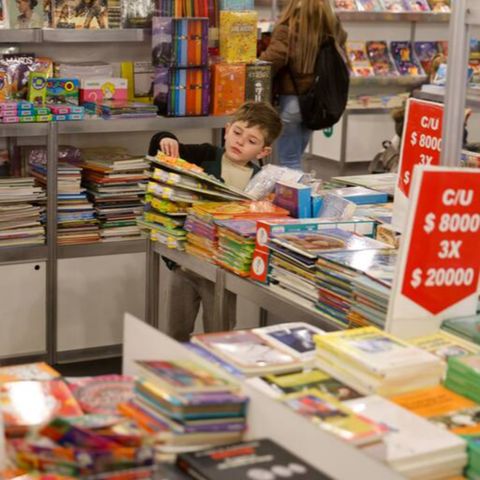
x=302, y=28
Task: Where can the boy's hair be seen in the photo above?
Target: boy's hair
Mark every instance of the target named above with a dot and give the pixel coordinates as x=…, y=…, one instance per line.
x=261, y=115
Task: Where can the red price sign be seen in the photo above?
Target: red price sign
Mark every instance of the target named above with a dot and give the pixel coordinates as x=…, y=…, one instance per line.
x=443, y=259
x=422, y=139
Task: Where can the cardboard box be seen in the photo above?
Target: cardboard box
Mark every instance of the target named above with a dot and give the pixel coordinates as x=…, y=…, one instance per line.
x=294, y=197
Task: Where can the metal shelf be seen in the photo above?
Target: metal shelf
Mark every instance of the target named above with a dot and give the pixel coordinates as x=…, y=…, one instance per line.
x=60, y=35
x=139, y=125
x=23, y=129
x=27, y=35
x=417, y=17
x=368, y=111
x=473, y=100
x=200, y=267
x=285, y=306
x=102, y=248
x=23, y=253
x=399, y=81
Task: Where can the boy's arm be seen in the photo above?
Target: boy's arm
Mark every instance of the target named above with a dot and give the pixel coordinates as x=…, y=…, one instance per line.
x=197, y=154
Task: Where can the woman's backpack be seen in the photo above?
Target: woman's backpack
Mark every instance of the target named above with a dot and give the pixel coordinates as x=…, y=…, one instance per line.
x=324, y=103
x=386, y=160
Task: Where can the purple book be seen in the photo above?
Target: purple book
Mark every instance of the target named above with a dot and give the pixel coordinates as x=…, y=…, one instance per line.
x=162, y=47
x=245, y=228
x=213, y=398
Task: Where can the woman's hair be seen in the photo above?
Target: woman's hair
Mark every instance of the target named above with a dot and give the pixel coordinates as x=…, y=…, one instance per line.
x=310, y=23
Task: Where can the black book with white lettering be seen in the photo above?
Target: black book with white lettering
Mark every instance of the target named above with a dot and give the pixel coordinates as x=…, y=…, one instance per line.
x=254, y=460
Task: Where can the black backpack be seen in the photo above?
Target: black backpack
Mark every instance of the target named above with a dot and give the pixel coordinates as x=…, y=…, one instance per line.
x=324, y=103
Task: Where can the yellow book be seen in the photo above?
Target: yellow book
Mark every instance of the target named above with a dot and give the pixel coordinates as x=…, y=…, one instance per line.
x=375, y=351
x=444, y=408
x=238, y=36
x=332, y=416
x=444, y=345
x=140, y=80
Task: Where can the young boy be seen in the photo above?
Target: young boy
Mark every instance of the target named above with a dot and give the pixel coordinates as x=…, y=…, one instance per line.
x=248, y=137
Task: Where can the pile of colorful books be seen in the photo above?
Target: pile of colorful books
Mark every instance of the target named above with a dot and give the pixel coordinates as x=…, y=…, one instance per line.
x=115, y=187
x=21, y=211
x=187, y=403
x=354, y=286
x=393, y=5
x=372, y=361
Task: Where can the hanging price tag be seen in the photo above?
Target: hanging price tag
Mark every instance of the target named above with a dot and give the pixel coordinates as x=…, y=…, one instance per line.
x=439, y=263
x=421, y=145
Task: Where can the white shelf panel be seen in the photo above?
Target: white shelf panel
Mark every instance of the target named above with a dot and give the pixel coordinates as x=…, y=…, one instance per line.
x=141, y=125
x=27, y=35
x=60, y=35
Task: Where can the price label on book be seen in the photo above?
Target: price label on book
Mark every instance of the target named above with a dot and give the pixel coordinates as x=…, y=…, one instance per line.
x=439, y=262
x=421, y=140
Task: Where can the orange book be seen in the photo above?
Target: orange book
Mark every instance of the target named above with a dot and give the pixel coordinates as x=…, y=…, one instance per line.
x=228, y=88
x=443, y=407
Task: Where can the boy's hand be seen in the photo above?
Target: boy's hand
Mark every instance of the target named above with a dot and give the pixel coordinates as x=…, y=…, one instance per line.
x=169, y=146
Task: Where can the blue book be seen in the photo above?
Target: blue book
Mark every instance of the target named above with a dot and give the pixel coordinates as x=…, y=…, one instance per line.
x=294, y=197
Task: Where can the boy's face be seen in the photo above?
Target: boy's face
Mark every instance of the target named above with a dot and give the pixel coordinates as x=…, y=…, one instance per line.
x=244, y=144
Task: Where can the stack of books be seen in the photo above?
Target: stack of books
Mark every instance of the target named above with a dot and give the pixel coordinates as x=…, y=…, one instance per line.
x=187, y=404
x=115, y=187
x=435, y=453
x=473, y=467
x=463, y=376
x=236, y=243
x=76, y=219
x=372, y=361
x=347, y=285
x=20, y=212
x=294, y=256
x=445, y=408
x=120, y=109
x=248, y=353
x=467, y=328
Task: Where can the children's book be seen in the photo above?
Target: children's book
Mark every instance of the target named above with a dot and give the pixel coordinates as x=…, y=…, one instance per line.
x=369, y=5
x=404, y=59
x=238, y=36
x=425, y=52
x=346, y=5
x=357, y=53
x=24, y=14
x=444, y=345
x=440, y=6
x=248, y=352
x=81, y=14
x=332, y=416
x=380, y=59
x=394, y=5
x=417, y=5
x=28, y=371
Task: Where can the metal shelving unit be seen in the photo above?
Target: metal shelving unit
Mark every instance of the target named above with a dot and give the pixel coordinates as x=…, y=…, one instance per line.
x=28, y=35
x=407, y=17
x=471, y=100
x=99, y=249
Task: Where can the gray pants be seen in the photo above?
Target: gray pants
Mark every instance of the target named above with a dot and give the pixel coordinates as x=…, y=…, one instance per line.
x=187, y=291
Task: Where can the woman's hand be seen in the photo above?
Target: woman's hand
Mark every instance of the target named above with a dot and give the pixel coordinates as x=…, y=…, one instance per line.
x=169, y=146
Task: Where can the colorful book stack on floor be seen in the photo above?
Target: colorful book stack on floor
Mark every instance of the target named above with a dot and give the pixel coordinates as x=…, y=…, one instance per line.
x=21, y=212
x=187, y=403
x=412, y=446
x=372, y=361
x=463, y=376
x=114, y=184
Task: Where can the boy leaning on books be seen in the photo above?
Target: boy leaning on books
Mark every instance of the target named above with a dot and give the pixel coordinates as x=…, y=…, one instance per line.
x=248, y=138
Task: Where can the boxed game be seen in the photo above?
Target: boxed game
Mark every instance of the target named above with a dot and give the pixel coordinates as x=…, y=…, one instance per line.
x=98, y=89
x=62, y=91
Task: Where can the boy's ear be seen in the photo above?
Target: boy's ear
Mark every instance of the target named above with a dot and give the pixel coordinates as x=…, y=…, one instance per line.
x=264, y=153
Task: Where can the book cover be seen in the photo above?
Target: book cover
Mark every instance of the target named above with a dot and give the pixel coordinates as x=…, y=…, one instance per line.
x=80, y=14
x=238, y=36
x=51, y=398
x=279, y=385
x=357, y=53
x=247, y=351
x=405, y=62
x=369, y=5
x=417, y=5
x=28, y=371
x=258, y=459
x=403, y=443
x=312, y=244
x=394, y=5
x=182, y=376
x=425, y=52
x=295, y=337
x=444, y=345
x=440, y=6
x=24, y=14
x=228, y=83
x=63, y=91
x=332, y=416
x=346, y=5
x=162, y=41
x=140, y=77
x=258, y=83
x=380, y=59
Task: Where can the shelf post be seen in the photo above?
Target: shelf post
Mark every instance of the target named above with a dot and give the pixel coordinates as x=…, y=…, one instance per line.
x=52, y=159
x=456, y=88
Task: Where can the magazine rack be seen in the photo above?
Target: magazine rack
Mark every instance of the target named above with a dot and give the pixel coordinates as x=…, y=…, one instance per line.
x=266, y=417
